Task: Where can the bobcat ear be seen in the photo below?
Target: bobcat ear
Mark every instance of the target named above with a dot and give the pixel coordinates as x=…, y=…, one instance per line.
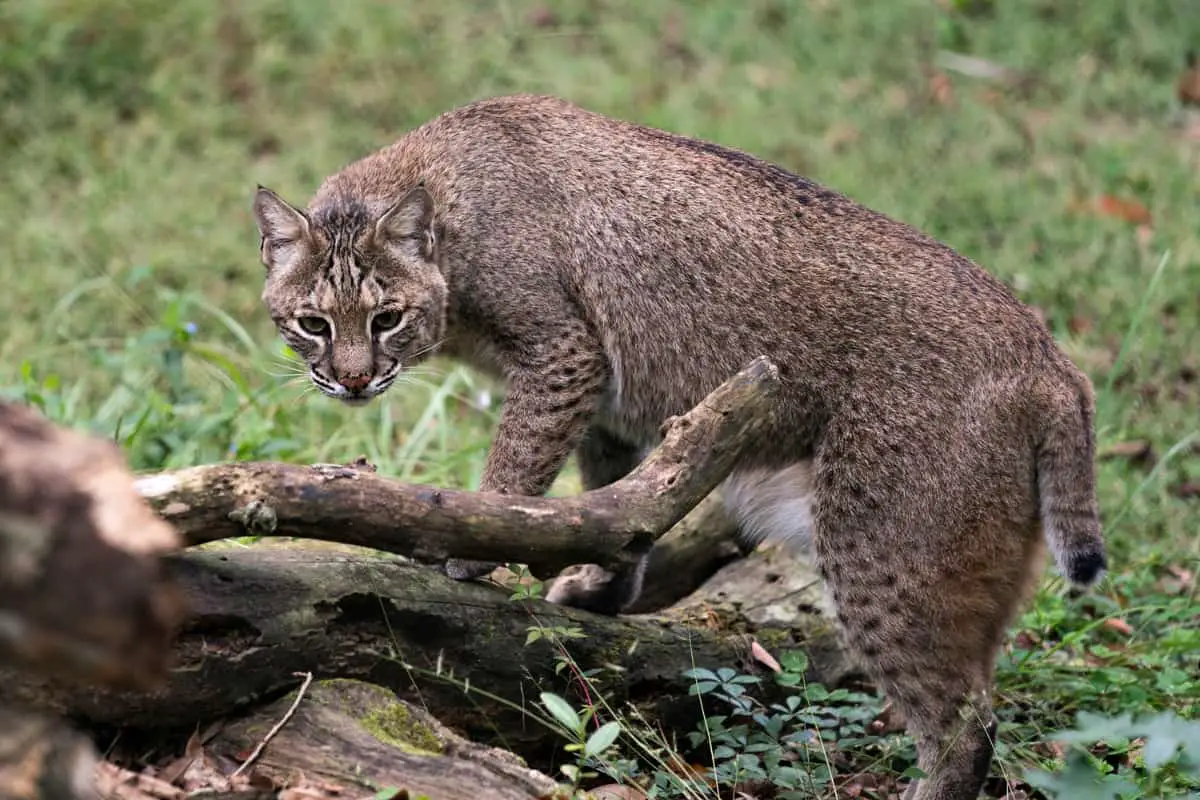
x=407, y=227
x=282, y=228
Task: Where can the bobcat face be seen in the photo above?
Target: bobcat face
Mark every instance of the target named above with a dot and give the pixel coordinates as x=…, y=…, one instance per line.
x=358, y=298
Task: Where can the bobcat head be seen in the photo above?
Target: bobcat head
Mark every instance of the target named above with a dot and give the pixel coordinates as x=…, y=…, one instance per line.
x=358, y=296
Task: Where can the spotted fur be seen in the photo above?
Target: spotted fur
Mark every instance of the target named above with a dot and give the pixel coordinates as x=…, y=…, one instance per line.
x=930, y=433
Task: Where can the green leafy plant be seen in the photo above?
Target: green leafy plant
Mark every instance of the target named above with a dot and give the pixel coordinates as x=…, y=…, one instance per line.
x=1123, y=757
x=787, y=744
x=589, y=745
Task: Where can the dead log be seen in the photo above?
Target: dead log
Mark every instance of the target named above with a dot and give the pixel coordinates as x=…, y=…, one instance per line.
x=83, y=596
x=361, y=738
x=81, y=586
x=263, y=613
x=334, y=740
x=353, y=506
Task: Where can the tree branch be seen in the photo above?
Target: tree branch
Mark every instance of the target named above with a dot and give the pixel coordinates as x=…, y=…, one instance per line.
x=352, y=506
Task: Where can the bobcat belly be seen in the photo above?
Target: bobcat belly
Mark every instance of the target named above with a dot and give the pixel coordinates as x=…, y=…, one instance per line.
x=772, y=504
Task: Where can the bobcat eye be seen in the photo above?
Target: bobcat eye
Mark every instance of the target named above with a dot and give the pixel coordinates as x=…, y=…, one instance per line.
x=385, y=321
x=314, y=325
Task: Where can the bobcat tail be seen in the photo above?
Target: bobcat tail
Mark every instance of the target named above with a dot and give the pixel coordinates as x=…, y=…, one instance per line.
x=1067, y=484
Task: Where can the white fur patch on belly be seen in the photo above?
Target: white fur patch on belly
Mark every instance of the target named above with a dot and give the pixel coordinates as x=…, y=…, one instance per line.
x=772, y=505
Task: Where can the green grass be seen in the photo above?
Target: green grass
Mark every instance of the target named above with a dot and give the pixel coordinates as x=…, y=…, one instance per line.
x=132, y=136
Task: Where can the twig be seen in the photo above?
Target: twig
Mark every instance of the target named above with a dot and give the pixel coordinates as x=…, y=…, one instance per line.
x=308, y=677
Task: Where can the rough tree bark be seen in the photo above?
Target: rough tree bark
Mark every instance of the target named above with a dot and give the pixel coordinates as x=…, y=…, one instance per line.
x=83, y=596
x=345, y=504
x=262, y=614
x=337, y=739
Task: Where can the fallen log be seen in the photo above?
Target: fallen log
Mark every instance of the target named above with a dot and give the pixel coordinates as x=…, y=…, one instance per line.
x=263, y=613
x=361, y=738
x=331, y=740
x=82, y=591
x=614, y=524
x=83, y=596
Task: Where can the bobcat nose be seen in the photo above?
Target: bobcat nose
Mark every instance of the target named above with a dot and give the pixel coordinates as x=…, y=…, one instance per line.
x=355, y=383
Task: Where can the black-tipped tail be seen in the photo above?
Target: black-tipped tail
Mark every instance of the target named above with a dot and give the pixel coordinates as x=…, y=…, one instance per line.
x=1067, y=484
x=1084, y=568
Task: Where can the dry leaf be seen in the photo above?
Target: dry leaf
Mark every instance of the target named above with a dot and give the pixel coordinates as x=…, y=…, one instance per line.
x=614, y=791
x=1026, y=640
x=840, y=135
x=1079, y=324
x=305, y=788
x=1181, y=573
x=762, y=76
x=543, y=17
x=1187, y=88
x=1118, y=625
x=941, y=89
x=693, y=773
x=1053, y=749
x=761, y=655
x=1127, y=210
x=114, y=783
x=1177, y=581
x=193, y=751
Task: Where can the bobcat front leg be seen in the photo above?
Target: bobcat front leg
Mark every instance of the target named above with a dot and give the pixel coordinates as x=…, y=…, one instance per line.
x=554, y=387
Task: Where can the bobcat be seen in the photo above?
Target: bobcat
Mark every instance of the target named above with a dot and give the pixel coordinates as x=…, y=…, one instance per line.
x=930, y=435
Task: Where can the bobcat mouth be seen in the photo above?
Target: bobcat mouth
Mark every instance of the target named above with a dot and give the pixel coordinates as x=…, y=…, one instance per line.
x=338, y=392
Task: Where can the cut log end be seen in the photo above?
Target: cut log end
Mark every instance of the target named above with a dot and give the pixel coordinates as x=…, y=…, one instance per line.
x=82, y=590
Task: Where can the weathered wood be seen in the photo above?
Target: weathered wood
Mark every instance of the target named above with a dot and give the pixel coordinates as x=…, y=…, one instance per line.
x=361, y=738
x=260, y=615
x=83, y=596
x=265, y=612
x=81, y=584
x=352, y=506
x=41, y=758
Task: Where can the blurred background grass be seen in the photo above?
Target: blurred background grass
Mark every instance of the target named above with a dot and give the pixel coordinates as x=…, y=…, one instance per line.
x=132, y=136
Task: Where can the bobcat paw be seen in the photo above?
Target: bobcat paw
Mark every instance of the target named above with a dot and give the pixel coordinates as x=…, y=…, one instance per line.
x=589, y=587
